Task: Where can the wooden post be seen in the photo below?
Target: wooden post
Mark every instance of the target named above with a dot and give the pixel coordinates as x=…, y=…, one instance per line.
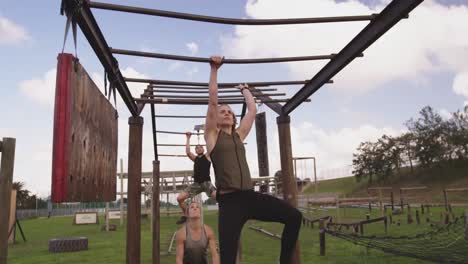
x=167, y=204
x=315, y=178
x=287, y=174
x=410, y=217
x=121, y=194
x=7, y=147
x=262, y=144
x=422, y=209
x=338, y=208
x=134, y=190
x=370, y=207
x=107, y=216
x=466, y=224
x=445, y=200
x=361, y=229
x=155, y=220
x=12, y=220
x=401, y=201
x=322, y=237
x=385, y=224
x=381, y=203
x=418, y=220
x=391, y=201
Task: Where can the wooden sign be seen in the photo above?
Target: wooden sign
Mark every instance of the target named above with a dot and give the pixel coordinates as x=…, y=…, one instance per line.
x=84, y=161
x=113, y=215
x=86, y=218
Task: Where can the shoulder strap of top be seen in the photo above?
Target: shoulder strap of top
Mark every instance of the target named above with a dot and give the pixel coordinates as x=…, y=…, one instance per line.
x=187, y=233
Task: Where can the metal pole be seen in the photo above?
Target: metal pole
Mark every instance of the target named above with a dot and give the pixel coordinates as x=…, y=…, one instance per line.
x=315, y=177
x=121, y=194
x=229, y=21
x=225, y=61
x=220, y=85
x=155, y=221
x=7, y=163
x=134, y=190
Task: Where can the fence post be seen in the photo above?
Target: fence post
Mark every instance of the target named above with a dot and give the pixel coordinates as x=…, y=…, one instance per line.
x=322, y=237
x=385, y=224
x=418, y=220
x=410, y=217
x=391, y=200
x=446, y=200
x=466, y=224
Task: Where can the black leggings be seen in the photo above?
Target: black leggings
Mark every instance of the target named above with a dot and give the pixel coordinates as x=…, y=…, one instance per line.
x=238, y=207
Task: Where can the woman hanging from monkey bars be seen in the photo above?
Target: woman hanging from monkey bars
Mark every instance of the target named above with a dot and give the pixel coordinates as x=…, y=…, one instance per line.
x=237, y=200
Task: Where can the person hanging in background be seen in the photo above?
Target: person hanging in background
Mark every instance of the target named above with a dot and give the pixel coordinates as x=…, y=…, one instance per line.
x=201, y=177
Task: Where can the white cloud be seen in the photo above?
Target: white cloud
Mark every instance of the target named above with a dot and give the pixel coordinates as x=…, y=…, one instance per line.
x=333, y=149
x=444, y=113
x=175, y=66
x=460, y=83
x=11, y=33
x=193, y=48
x=41, y=90
x=413, y=48
x=135, y=88
x=192, y=71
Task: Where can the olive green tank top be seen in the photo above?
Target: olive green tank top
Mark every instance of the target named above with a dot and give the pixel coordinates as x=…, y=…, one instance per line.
x=230, y=163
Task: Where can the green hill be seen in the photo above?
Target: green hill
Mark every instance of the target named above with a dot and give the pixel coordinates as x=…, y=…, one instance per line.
x=453, y=175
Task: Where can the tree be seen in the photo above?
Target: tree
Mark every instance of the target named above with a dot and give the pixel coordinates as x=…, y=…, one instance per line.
x=457, y=135
x=428, y=132
x=22, y=195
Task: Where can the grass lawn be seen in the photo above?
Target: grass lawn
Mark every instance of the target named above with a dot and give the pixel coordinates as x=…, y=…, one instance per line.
x=109, y=247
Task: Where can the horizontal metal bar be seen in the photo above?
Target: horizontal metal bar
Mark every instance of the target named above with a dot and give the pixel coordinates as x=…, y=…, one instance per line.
x=206, y=92
x=379, y=188
x=228, y=21
x=184, y=87
x=205, y=102
x=182, y=116
x=220, y=85
x=233, y=96
x=175, y=133
x=457, y=190
x=179, y=145
x=413, y=188
x=225, y=61
x=173, y=155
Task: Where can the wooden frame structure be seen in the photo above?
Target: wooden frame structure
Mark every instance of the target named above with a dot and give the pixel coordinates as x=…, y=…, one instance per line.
x=7, y=150
x=79, y=12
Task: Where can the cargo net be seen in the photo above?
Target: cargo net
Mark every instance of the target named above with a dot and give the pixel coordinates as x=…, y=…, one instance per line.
x=445, y=244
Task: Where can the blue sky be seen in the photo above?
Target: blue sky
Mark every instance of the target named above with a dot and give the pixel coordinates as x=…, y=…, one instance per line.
x=417, y=63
